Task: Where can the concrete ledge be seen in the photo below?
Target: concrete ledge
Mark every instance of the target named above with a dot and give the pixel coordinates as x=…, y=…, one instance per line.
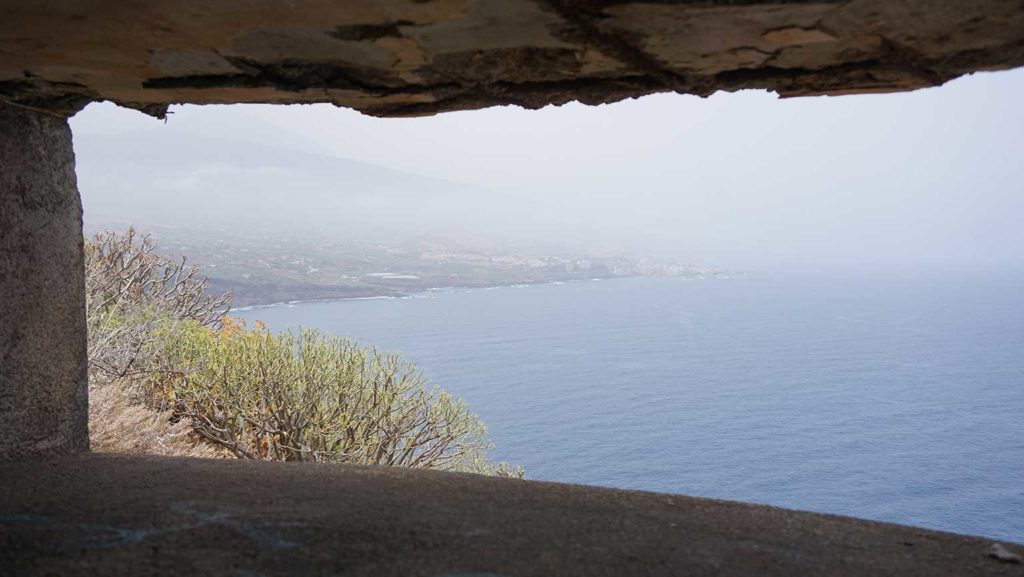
x=127, y=515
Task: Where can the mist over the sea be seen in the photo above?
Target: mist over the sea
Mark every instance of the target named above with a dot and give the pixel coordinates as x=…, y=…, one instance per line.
x=738, y=181
x=862, y=356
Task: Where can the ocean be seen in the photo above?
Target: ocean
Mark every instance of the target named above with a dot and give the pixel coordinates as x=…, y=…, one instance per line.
x=895, y=397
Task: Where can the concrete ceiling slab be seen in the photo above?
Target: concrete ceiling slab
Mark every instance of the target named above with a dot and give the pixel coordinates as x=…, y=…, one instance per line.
x=414, y=57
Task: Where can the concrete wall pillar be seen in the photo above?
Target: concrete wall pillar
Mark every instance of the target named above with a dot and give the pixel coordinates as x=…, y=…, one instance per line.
x=43, y=379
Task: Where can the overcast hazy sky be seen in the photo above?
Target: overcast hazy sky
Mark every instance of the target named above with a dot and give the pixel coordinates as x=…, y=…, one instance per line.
x=737, y=180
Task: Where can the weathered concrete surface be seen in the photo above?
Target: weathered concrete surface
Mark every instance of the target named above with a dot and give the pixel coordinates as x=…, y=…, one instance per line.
x=42, y=289
x=122, y=515
x=408, y=57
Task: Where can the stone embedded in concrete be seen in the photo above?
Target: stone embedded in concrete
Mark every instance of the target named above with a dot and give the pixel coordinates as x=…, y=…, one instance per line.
x=42, y=299
x=140, y=516
x=404, y=57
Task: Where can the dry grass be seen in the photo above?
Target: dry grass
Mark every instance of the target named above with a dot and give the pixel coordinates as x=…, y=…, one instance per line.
x=118, y=424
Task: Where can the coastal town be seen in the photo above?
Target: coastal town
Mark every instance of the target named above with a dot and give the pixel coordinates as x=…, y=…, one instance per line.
x=265, y=269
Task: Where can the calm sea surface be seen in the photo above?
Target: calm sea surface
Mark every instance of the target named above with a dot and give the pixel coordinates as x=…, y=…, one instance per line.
x=898, y=398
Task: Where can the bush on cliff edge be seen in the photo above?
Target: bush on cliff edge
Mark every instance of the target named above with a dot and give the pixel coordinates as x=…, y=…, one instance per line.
x=250, y=393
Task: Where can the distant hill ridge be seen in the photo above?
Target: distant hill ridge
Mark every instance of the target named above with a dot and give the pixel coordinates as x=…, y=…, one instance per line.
x=166, y=178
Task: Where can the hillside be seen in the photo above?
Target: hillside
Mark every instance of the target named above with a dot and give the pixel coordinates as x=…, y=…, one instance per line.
x=273, y=224
x=172, y=179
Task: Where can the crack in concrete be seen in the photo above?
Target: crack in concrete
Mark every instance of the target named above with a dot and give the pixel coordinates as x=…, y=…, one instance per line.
x=584, y=27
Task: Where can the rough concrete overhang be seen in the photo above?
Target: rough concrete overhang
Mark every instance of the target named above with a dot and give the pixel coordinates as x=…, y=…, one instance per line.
x=413, y=57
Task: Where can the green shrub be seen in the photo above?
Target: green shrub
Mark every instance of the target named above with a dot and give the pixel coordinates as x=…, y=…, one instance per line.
x=158, y=337
x=306, y=396
x=130, y=291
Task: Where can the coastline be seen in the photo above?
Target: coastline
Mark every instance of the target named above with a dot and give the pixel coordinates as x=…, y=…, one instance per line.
x=468, y=288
